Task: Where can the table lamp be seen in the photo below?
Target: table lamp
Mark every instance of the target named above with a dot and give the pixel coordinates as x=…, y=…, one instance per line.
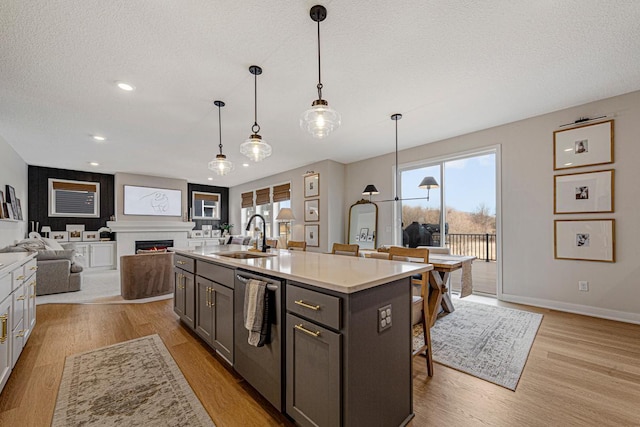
x=46, y=229
x=286, y=215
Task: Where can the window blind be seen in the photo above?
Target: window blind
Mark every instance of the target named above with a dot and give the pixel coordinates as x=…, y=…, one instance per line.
x=247, y=199
x=262, y=196
x=282, y=192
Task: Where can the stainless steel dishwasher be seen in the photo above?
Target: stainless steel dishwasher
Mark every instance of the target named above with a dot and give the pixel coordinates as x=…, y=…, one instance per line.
x=260, y=366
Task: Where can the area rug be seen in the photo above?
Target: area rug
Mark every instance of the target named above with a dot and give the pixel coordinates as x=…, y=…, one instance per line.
x=99, y=287
x=486, y=341
x=134, y=383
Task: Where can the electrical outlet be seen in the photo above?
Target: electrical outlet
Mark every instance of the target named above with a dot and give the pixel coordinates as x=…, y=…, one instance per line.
x=583, y=286
x=384, y=318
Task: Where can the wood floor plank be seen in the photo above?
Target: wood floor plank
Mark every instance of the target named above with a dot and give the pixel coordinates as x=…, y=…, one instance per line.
x=581, y=371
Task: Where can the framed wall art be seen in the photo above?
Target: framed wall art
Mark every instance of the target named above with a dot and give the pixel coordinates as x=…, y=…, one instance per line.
x=586, y=192
x=312, y=185
x=312, y=210
x=60, y=236
x=583, y=146
x=585, y=239
x=89, y=236
x=311, y=235
x=75, y=232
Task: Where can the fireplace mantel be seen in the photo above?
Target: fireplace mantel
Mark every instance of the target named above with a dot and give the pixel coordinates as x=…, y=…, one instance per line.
x=146, y=226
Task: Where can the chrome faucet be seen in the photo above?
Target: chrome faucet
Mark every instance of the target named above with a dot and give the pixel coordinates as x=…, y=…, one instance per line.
x=264, y=230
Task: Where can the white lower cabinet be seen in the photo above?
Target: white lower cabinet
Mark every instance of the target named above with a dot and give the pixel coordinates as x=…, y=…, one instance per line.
x=97, y=255
x=17, y=308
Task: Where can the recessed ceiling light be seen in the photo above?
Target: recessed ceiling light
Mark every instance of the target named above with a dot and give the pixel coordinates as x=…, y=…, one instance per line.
x=99, y=138
x=94, y=163
x=126, y=86
x=246, y=165
x=210, y=179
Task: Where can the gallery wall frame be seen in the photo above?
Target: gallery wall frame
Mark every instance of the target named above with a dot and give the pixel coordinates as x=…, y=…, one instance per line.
x=586, y=145
x=312, y=210
x=312, y=234
x=585, y=239
x=312, y=185
x=584, y=192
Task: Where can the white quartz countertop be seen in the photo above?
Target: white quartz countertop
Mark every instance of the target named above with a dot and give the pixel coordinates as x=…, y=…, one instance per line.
x=10, y=260
x=338, y=273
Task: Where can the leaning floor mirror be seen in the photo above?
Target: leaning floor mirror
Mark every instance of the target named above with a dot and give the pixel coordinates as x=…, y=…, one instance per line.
x=363, y=221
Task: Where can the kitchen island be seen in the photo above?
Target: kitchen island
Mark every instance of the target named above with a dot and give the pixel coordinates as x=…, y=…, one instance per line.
x=340, y=345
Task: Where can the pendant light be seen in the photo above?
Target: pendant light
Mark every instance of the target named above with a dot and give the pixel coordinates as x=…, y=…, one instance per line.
x=427, y=183
x=255, y=148
x=220, y=165
x=320, y=120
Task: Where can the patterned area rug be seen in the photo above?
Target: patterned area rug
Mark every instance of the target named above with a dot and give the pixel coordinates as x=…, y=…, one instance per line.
x=135, y=383
x=485, y=341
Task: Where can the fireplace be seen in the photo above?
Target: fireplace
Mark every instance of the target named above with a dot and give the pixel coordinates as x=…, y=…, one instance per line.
x=152, y=244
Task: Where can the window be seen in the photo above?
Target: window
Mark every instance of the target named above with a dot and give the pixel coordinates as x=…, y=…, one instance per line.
x=77, y=199
x=268, y=202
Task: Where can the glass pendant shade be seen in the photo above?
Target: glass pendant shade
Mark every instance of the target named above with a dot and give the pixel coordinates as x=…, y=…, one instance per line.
x=255, y=148
x=221, y=165
x=320, y=120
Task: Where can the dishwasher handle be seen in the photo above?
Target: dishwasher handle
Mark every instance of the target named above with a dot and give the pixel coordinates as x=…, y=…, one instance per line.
x=246, y=280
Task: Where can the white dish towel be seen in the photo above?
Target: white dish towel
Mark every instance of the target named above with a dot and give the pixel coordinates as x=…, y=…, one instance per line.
x=254, y=309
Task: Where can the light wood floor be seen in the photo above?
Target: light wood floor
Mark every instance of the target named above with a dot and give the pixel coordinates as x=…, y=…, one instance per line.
x=581, y=371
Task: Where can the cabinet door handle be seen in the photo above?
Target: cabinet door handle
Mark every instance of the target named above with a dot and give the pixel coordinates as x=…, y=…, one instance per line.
x=20, y=277
x=181, y=262
x=4, y=319
x=315, y=334
x=32, y=283
x=20, y=298
x=20, y=334
x=309, y=306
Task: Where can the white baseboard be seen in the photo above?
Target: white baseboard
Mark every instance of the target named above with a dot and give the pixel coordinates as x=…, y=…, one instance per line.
x=621, y=316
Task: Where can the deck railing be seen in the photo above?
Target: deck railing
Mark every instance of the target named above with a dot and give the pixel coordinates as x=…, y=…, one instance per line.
x=482, y=246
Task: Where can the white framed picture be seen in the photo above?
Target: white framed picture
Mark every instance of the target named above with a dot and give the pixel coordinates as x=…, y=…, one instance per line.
x=585, y=145
x=312, y=185
x=75, y=232
x=312, y=210
x=60, y=236
x=311, y=235
x=585, y=239
x=90, y=236
x=586, y=192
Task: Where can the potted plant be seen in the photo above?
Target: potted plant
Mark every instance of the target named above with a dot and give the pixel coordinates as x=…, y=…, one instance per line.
x=226, y=229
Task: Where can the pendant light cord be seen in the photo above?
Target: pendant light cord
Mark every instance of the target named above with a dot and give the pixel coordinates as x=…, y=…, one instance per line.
x=319, y=75
x=256, y=127
x=220, y=128
x=396, y=198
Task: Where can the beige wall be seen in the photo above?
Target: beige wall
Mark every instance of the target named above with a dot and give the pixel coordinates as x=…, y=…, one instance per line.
x=122, y=179
x=331, y=201
x=530, y=273
x=13, y=171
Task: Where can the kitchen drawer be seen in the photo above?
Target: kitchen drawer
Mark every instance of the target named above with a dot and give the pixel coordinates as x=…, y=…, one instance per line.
x=313, y=305
x=19, y=303
x=30, y=267
x=185, y=263
x=17, y=342
x=18, y=277
x=5, y=286
x=216, y=273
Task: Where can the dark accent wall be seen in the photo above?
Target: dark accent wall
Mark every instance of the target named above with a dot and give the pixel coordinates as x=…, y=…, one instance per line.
x=39, y=198
x=224, y=206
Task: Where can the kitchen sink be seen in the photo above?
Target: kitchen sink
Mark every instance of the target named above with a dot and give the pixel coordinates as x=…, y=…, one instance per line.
x=244, y=254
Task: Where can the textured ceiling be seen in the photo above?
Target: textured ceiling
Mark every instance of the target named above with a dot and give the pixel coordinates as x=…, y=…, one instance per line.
x=450, y=67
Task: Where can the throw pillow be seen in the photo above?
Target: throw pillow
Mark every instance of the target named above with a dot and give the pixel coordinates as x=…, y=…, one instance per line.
x=52, y=244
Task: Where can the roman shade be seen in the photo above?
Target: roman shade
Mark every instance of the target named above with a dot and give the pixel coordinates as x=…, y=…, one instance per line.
x=247, y=199
x=281, y=192
x=262, y=197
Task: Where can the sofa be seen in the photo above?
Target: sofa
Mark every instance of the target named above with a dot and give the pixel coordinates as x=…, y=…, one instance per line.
x=57, y=269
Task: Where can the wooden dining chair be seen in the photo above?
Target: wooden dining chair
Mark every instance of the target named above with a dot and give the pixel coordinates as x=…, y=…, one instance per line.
x=344, y=249
x=296, y=246
x=272, y=243
x=398, y=253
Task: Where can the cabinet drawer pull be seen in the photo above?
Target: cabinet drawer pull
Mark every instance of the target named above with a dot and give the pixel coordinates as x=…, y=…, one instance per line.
x=315, y=334
x=20, y=278
x=34, y=268
x=20, y=298
x=309, y=306
x=181, y=262
x=3, y=338
x=20, y=334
